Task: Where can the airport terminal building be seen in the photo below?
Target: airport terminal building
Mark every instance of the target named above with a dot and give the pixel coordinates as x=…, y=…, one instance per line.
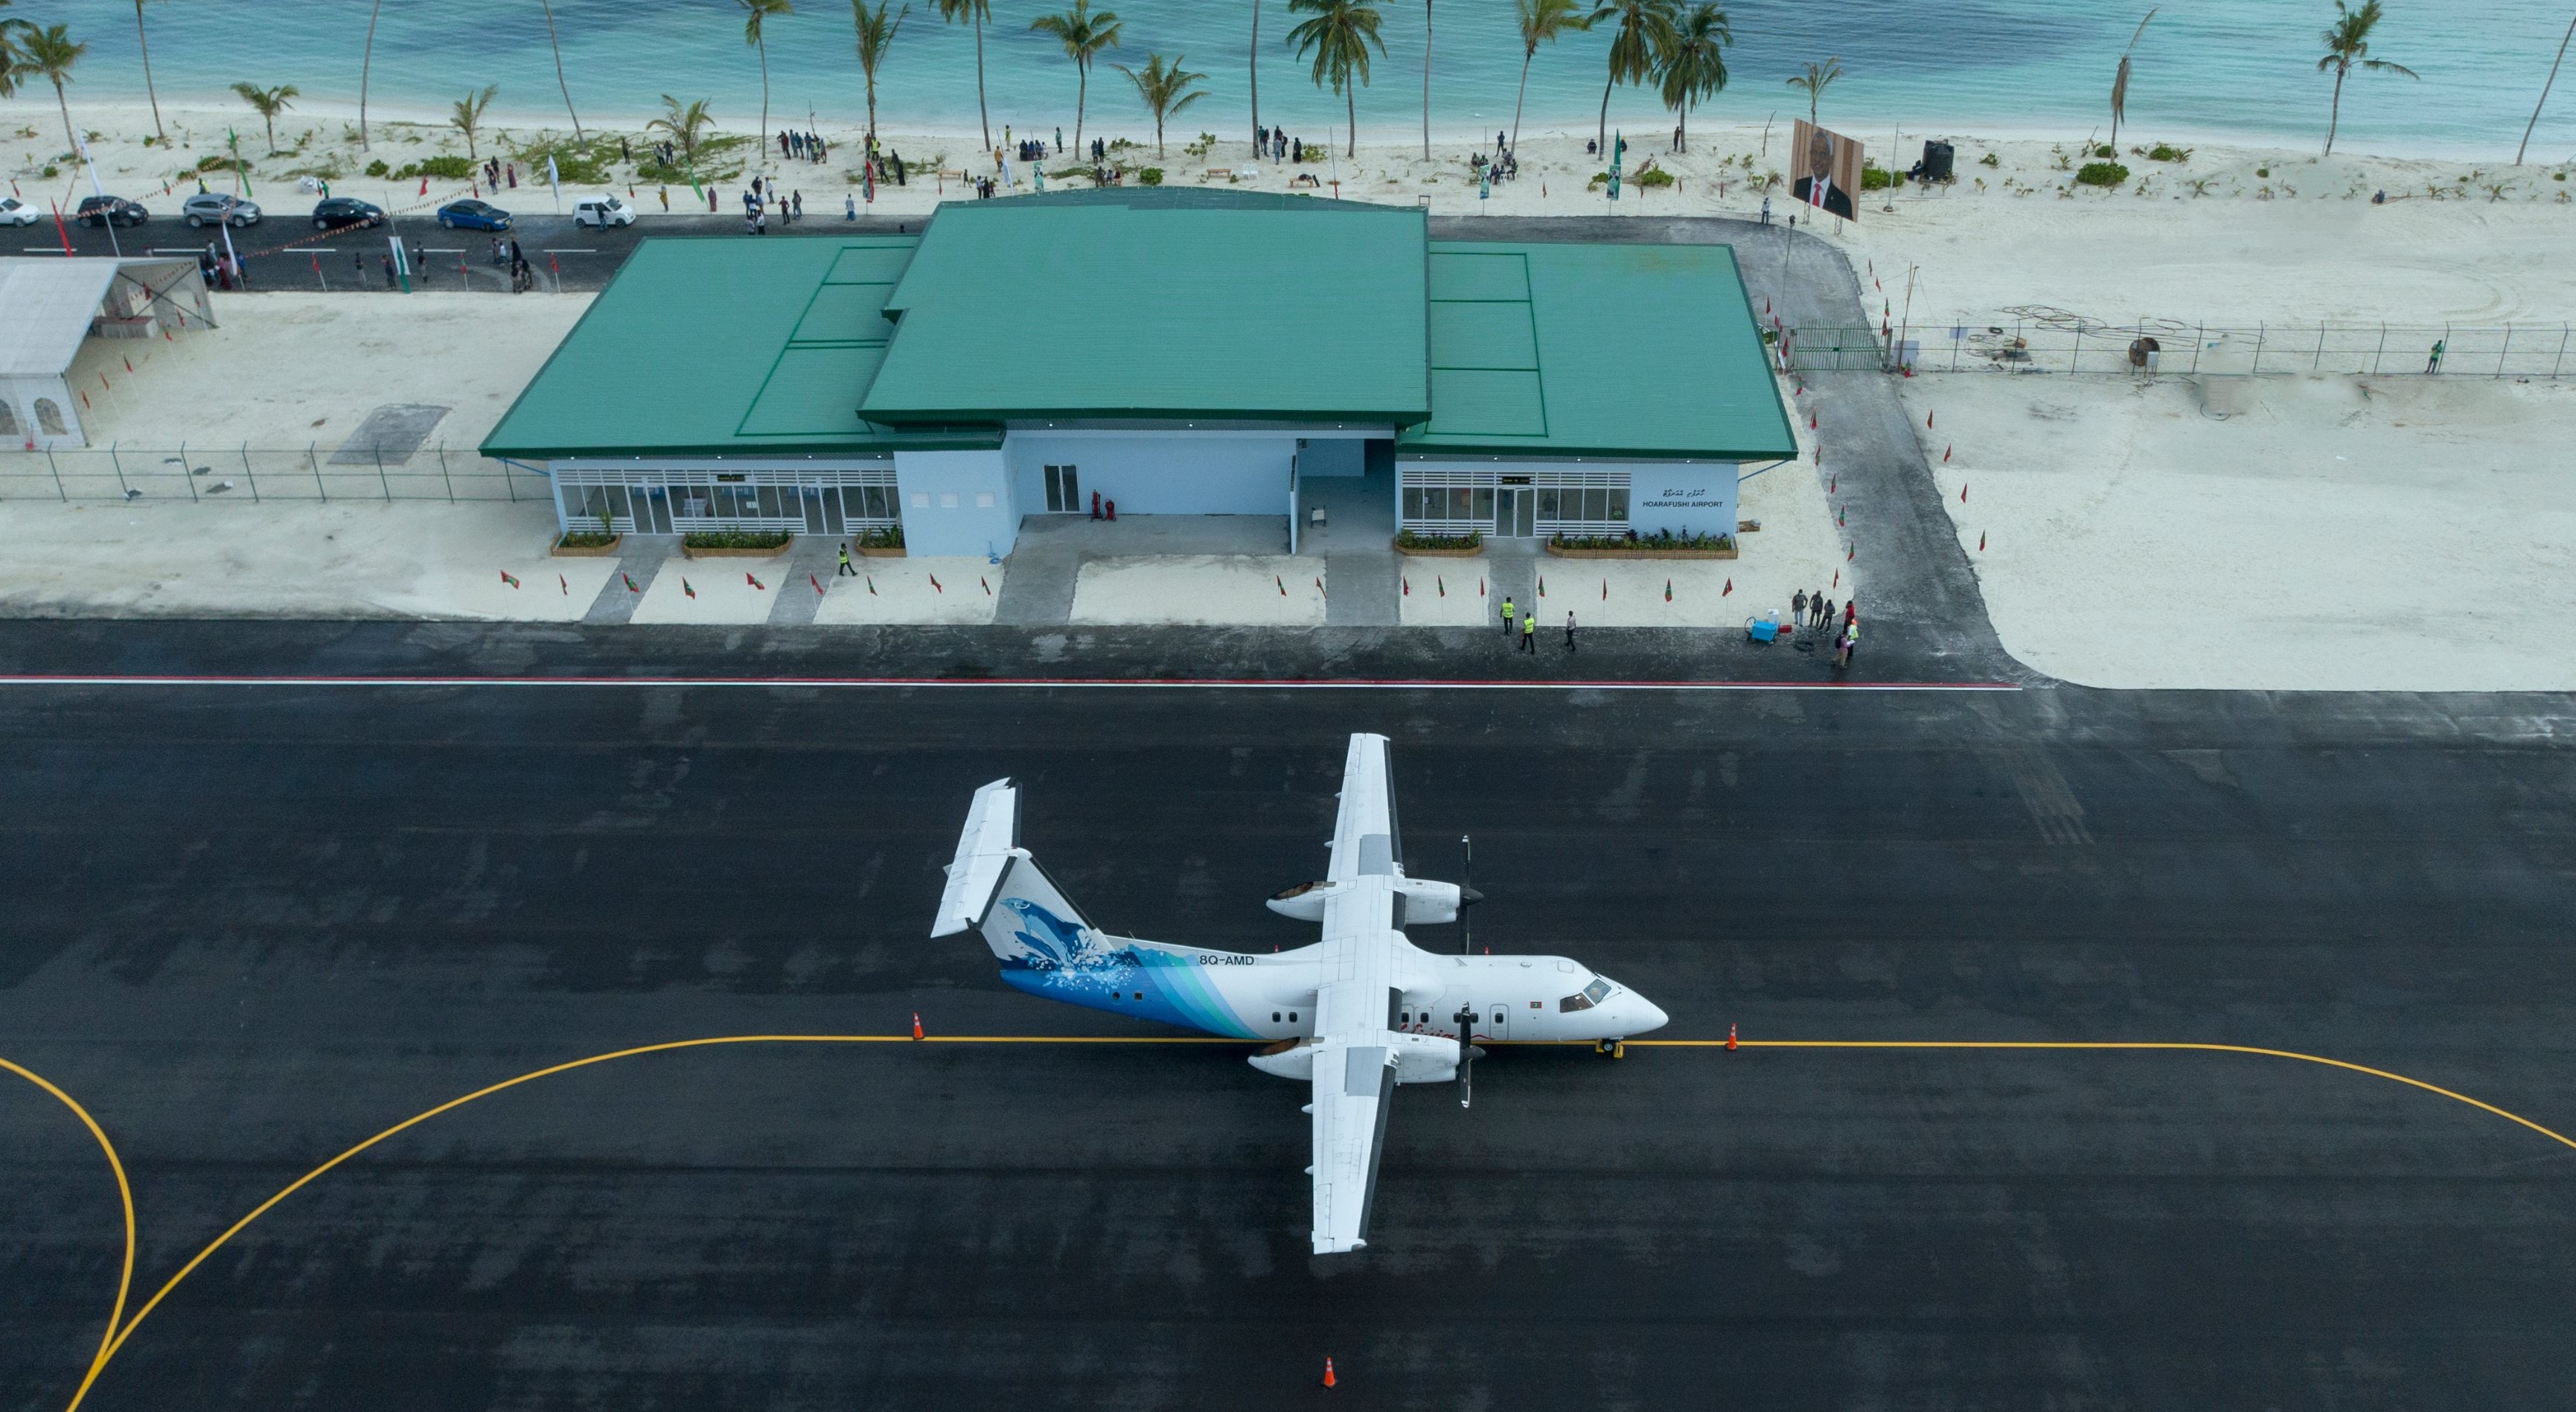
x=1177, y=352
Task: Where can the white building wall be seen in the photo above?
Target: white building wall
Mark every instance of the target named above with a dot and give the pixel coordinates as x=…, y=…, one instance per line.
x=1686, y=497
x=957, y=502
x=1159, y=473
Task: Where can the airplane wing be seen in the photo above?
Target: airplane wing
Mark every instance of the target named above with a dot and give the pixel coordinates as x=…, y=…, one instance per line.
x=1364, y=836
x=1353, y=1086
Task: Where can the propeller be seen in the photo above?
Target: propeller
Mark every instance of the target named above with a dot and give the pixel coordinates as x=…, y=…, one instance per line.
x=1467, y=1055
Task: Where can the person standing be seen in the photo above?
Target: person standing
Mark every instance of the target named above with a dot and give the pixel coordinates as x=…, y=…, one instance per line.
x=1798, y=608
x=1569, y=629
x=1529, y=633
x=2433, y=362
x=846, y=571
x=1825, y=619
x=1851, y=642
x=849, y=208
x=1766, y=210
x=390, y=282
x=1508, y=614
x=666, y=200
x=358, y=263
x=795, y=206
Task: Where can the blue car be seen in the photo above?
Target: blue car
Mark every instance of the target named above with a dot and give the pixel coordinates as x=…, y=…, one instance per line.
x=473, y=215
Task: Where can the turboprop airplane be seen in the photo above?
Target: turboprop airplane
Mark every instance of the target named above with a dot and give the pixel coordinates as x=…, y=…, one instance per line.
x=1354, y=1015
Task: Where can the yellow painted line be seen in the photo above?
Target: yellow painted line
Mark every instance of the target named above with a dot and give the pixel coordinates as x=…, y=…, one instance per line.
x=113, y=1344
x=2554, y=1136
x=124, y=1197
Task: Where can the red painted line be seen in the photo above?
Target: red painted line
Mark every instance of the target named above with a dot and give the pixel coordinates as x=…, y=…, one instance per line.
x=1015, y=683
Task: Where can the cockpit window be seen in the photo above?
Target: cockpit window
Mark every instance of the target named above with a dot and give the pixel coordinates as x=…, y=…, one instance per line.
x=1598, y=991
x=1587, y=997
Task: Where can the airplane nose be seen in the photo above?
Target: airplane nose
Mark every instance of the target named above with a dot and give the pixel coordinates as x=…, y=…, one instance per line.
x=1653, y=1016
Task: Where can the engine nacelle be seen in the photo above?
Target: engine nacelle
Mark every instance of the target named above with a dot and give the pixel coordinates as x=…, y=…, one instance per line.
x=1288, y=1059
x=1419, y=1058
x=1305, y=901
x=1428, y=903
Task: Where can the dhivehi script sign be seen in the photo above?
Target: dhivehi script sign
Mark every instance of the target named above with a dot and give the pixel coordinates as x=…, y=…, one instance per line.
x=1698, y=498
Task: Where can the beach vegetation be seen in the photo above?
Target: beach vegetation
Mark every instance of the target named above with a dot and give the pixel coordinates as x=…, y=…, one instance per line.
x=1541, y=22
x=377, y=167
x=2120, y=86
x=467, y=116
x=976, y=14
x=1874, y=177
x=1990, y=160
x=1083, y=35
x=2103, y=149
x=2101, y=174
x=445, y=168
x=1643, y=33
x=1695, y=65
x=2167, y=152
x=1814, y=82
x=1166, y=89
x=2347, y=43
x=2200, y=185
x=49, y=53
x=1338, y=39
x=2263, y=171
x=685, y=127
x=1651, y=177
x=268, y=103
x=882, y=537
x=756, y=15
x=875, y=35
x=1149, y=176
x=2058, y=158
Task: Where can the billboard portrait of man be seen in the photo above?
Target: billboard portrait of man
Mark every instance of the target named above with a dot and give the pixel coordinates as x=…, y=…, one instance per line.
x=1828, y=170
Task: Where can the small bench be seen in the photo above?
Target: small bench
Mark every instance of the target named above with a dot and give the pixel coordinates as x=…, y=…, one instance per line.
x=1217, y=174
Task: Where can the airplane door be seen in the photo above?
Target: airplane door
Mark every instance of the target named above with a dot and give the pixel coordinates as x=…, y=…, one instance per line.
x=1496, y=1022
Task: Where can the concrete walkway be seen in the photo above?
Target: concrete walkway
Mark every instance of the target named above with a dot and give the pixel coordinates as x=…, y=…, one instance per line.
x=639, y=557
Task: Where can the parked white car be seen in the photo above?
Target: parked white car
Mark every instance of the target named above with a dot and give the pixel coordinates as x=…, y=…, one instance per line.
x=14, y=212
x=602, y=212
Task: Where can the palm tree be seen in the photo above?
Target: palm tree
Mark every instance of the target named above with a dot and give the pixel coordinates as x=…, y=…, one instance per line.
x=1339, y=36
x=9, y=57
x=468, y=116
x=552, y=39
x=365, y=66
x=1426, y=80
x=1166, y=90
x=978, y=13
x=1696, y=66
x=1253, y=65
x=756, y=15
x=2544, y=93
x=144, y=44
x=2120, y=81
x=2348, y=48
x=1814, y=82
x=685, y=126
x=1083, y=35
x=1637, y=51
x=51, y=53
x=876, y=32
x=268, y=102
x=1541, y=22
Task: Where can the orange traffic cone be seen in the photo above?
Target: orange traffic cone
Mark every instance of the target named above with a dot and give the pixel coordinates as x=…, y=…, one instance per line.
x=1329, y=1379
x=916, y=1024
x=1730, y=1036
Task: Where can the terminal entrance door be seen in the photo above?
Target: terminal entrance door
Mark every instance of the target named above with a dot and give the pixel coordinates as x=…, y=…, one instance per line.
x=1515, y=512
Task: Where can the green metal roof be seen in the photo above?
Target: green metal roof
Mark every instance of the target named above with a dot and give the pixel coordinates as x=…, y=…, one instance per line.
x=724, y=346
x=1123, y=304
x=1547, y=349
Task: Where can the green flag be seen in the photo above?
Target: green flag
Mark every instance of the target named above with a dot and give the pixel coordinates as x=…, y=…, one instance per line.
x=1618, y=149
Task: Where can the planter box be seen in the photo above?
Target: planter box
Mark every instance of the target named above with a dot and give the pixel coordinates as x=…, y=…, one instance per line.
x=561, y=550
x=1440, y=553
x=869, y=552
x=1640, y=553
x=780, y=552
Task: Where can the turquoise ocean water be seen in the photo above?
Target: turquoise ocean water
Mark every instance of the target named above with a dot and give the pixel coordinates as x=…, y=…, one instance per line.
x=2207, y=69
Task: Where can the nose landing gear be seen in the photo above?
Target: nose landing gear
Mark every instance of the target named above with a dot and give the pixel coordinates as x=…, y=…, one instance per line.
x=1614, y=1048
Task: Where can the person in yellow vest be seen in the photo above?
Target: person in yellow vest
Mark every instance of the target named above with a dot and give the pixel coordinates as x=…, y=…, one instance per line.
x=1529, y=633
x=1507, y=617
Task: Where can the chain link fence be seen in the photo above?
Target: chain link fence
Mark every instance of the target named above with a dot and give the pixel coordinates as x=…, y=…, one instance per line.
x=252, y=475
x=2048, y=341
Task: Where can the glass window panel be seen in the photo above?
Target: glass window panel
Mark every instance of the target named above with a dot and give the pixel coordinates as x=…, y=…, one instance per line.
x=770, y=509
x=1548, y=500
x=1618, y=505
x=1596, y=503
x=1482, y=508
x=1413, y=504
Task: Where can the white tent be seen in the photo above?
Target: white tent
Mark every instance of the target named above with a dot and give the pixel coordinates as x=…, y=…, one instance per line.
x=48, y=305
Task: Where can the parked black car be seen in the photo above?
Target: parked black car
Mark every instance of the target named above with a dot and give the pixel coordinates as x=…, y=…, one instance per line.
x=335, y=212
x=101, y=210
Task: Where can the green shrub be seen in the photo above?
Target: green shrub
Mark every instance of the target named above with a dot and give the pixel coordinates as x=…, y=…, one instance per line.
x=1990, y=160
x=1407, y=539
x=1875, y=179
x=735, y=539
x=2264, y=172
x=1150, y=176
x=576, y=163
x=1654, y=177
x=1660, y=539
x=2102, y=174
x=587, y=539
x=888, y=537
x=2105, y=150
x=377, y=168
x=2167, y=152
x=443, y=168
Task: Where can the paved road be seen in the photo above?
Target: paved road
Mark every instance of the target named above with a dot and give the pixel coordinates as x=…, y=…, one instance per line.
x=251, y=925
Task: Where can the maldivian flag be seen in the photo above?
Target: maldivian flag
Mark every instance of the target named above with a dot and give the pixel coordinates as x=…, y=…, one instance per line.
x=755, y=583
x=509, y=578
x=630, y=581
x=684, y=588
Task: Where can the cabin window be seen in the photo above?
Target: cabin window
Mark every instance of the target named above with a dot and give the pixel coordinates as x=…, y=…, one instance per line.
x=1274, y=1017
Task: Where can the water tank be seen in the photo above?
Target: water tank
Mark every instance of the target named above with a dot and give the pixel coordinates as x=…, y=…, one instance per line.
x=1936, y=161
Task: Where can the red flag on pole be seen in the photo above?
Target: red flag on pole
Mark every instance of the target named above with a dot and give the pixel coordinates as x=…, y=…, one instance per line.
x=684, y=586
x=509, y=578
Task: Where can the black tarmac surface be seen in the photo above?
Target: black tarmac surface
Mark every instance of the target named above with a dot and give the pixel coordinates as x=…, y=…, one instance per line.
x=250, y=926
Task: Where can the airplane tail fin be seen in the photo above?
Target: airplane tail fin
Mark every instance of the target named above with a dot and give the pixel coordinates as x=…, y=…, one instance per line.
x=995, y=887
